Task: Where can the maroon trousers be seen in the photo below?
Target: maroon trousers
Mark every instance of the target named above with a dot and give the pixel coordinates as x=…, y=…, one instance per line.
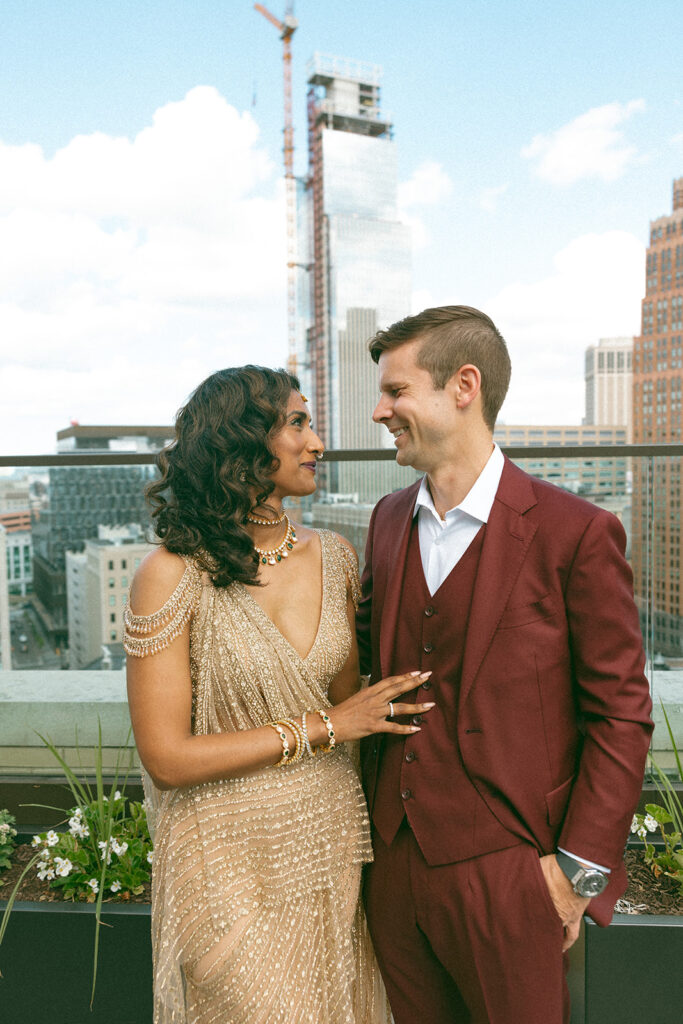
x=473, y=942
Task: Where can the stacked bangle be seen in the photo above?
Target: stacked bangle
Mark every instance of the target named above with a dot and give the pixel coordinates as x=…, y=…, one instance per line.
x=304, y=729
x=300, y=743
x=283, y=740
x=327, y=722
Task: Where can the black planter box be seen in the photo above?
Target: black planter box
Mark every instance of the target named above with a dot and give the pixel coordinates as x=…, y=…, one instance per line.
x=46, y=960
x=630, y=972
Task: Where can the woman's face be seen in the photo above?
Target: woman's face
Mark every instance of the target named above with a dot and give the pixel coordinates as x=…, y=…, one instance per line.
x=295, y=445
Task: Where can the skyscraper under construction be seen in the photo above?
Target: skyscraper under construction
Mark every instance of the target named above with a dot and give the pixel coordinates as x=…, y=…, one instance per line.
x=358, y=263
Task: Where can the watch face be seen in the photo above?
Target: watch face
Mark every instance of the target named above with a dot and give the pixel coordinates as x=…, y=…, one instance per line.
x=592, y=884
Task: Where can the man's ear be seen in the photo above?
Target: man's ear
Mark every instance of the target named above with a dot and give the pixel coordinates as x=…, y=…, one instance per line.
x=465, y=385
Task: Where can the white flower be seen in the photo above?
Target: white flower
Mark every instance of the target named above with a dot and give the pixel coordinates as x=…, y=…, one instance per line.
x=105, y=850
x=115, y=886
x=642, y=831
x=78, y=828
x=118, y=848
x=47, y=873
x=117, y=794
x=52, y=838
x=150, y=857
x=650, y=823
x=78, y=812
x=36, y=841
x=4, y=828
x=106, y=799
x=94, y=885
x=63, y=867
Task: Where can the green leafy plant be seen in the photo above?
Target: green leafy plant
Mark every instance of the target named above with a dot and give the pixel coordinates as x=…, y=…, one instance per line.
x=667, y=818
x=106, y=852
x=7, y=834
x=117, y=840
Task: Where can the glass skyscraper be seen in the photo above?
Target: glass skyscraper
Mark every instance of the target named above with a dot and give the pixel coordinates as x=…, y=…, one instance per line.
x=358, y=263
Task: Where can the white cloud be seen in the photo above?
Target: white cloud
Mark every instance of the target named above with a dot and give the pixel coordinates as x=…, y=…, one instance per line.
x=428, y=185
x=594, y=292
x=131, y=268
x=590, y=146
x=489, y=197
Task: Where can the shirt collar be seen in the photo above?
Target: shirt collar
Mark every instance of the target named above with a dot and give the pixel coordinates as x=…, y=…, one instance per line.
x=478, y=501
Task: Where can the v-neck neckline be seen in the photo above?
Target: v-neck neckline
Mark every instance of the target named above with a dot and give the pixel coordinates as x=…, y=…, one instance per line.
x=323, y=597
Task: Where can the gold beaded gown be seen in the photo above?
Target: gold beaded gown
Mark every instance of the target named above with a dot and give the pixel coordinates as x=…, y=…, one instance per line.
x=256, y=917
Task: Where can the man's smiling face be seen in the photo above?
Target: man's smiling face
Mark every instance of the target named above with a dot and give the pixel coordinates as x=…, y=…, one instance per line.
x=421, y=418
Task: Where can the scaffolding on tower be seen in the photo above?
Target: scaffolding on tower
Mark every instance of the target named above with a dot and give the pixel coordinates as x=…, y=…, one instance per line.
x=287, y=27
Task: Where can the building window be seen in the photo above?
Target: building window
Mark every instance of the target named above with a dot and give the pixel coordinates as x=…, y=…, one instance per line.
x=111, y=582
x=111, y=566
x=112, y=616
x=112, y=600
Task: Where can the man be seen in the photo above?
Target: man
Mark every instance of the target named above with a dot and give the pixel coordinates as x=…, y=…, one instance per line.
x=495, y=824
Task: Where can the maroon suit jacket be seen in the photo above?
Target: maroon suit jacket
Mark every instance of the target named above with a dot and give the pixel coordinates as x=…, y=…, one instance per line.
x=553, y=716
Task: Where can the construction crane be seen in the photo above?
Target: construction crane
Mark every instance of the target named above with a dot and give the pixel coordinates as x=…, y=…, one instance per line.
x=287, y=27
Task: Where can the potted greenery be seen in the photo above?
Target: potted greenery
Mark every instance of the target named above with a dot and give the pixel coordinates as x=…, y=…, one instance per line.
x=86, y=934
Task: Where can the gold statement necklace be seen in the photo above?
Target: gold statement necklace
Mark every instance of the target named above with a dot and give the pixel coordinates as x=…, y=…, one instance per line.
x=275, y=555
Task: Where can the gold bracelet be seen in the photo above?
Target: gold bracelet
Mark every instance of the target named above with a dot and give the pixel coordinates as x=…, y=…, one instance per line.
x=327, y=722
x=284, y=740
x=300, y=746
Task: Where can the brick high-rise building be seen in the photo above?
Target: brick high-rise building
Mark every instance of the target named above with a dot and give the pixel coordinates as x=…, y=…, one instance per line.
x=657, y=381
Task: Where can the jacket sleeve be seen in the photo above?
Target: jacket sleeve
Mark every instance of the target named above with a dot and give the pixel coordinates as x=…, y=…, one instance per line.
x=612, y=694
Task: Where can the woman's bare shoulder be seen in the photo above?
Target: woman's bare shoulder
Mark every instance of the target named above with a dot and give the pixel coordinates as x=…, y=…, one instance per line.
x=157, y=577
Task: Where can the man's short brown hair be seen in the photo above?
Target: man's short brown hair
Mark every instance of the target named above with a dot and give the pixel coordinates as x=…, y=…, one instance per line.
x=454, y=336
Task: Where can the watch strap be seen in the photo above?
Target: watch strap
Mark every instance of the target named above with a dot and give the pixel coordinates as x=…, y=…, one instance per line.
x=569, y=866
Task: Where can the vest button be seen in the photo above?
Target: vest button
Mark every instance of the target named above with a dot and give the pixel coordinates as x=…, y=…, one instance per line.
x=406, y=794
x=427, y=685
x=429, y=611
x=410, y=756
x=428, y=648
x=417, y=719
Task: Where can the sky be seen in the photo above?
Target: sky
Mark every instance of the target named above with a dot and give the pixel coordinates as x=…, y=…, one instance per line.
x=142, y=222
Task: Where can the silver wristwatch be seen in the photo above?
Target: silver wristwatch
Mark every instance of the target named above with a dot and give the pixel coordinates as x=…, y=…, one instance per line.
x=586, y=882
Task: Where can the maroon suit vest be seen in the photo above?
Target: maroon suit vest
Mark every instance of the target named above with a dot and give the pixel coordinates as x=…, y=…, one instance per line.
x=423, y=776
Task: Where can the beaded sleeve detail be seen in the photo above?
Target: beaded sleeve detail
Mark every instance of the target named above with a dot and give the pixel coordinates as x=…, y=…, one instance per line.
x=351, y=564
x=149, y=634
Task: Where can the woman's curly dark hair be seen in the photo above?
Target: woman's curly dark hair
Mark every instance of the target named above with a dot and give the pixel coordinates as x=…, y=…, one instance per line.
x=219, y=454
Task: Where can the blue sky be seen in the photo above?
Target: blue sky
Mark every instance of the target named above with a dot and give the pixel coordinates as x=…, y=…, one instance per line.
x=141, y=216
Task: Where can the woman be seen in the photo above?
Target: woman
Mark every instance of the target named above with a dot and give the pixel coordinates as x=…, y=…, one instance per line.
x=243, y=687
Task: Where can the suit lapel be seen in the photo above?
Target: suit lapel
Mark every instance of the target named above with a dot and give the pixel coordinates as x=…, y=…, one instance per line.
x=400, y=531
x=508, y=536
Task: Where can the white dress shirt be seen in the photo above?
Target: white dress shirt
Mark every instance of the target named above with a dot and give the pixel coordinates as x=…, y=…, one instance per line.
x=443, y=542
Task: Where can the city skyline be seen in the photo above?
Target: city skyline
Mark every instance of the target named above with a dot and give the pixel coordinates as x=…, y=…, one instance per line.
x=142, y=203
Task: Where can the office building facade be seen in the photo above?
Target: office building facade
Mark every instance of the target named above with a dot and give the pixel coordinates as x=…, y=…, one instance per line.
x=97, y=584
x=81, y=499
x=657, y=417
x=609, y=383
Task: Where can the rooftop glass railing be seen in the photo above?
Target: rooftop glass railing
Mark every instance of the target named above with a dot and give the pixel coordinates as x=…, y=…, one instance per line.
x=66, y=564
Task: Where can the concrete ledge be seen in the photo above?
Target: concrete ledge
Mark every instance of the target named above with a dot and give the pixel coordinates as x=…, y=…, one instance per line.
x=66, y=708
